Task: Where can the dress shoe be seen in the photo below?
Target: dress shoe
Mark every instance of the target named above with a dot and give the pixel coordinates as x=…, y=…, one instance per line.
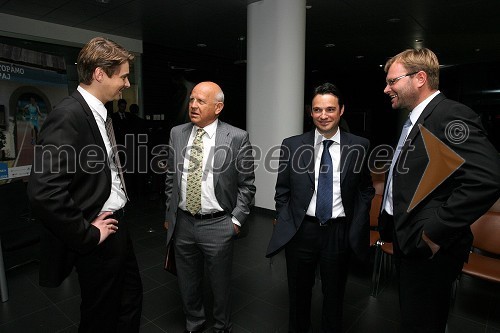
x=199, y=330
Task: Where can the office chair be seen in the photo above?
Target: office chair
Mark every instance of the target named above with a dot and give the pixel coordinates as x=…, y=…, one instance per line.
x=484, y=259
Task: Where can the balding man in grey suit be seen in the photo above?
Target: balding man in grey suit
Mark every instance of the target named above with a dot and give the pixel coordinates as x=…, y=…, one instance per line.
x=209, y=189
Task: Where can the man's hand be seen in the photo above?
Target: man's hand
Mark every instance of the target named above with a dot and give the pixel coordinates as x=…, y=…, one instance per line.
x=166, y=225
x=236, y=229
x=434, y=247
x=106, y=226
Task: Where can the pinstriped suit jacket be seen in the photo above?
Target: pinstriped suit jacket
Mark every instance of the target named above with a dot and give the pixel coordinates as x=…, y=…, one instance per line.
x=233, y=170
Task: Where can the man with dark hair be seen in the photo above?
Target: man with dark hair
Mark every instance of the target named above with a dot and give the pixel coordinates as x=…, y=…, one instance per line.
x=77, y=191
x=429, y=205
x=323, y=197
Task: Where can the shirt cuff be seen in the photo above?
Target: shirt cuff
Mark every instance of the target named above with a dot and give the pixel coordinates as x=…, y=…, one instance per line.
x=235, y=221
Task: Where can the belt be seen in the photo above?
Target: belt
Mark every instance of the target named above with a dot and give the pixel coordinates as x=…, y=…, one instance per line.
x=327, y=223
x=205, y=216
x=119, y=214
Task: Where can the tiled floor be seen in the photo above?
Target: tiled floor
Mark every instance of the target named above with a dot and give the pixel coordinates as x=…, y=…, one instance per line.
x=259, y=290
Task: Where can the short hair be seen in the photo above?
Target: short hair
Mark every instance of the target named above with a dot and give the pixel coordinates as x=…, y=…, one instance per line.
x=133, y=108
x=415, y=60
x=122, y=101
x=328, y=89
x=103, y=53
x=219, y=97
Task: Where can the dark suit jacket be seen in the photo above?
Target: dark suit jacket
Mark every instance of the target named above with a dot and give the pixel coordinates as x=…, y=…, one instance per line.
x=447, y=212
x=233, y=170
x=69, y=183
x=295, y=188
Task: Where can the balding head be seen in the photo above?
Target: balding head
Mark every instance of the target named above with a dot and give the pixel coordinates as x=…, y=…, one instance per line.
x=205, y=103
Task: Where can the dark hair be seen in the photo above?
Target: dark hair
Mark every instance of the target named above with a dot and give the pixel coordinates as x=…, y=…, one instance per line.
x=103, y=53
x=328, y=89
x=133, y=108
x=121, y=101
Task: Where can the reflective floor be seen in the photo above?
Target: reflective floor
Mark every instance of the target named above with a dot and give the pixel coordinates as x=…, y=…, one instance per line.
x=259, y=290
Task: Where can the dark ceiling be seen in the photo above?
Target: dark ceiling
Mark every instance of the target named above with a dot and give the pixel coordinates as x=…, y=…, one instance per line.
x=364, y=32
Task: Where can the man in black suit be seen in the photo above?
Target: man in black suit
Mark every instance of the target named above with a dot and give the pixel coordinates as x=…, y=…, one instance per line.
x=314, y=230
x=77, y=191
x=428, y=205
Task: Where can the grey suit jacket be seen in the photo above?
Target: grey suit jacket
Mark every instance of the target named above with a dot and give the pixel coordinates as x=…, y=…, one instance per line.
x=233, y=170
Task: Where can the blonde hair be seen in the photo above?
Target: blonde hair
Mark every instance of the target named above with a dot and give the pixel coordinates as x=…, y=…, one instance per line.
x=415, y=60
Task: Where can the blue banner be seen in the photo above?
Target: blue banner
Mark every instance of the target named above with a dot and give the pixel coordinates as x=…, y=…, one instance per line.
x=25, y=74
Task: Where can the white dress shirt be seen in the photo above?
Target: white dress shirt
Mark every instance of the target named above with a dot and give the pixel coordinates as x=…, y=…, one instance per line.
x=337, y=207
x=117, y=198
x=209, y=203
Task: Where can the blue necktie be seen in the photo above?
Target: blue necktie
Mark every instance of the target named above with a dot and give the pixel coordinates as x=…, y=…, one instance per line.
x=324, y=196
x=401, y=142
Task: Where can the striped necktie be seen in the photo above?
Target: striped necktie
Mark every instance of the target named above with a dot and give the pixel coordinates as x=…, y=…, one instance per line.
x=114, y=152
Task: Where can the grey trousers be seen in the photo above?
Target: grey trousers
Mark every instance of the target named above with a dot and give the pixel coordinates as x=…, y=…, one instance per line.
x=199, y=244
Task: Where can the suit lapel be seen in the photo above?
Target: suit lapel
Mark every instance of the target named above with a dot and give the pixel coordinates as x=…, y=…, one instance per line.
x=222, y=142
x=427, y=111
x=181, y=149
x=345, y=157
x=307, y=156
x=93, y=126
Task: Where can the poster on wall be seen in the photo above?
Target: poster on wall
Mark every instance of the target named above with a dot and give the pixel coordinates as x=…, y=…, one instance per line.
x=31, y=83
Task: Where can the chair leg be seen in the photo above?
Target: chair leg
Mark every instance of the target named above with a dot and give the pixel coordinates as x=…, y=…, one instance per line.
x=377, y=267
x=4, y=292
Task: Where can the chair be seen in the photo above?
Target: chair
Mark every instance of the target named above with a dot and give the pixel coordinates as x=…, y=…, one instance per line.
x=383, y=251
x=17, y=229
x=484, y=259
x=374, y=213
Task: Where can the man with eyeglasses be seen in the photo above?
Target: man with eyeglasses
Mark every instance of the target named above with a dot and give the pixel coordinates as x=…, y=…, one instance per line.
x=427, y=212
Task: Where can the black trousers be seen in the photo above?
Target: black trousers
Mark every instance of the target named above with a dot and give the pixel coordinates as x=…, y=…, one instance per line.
x=327, y=246
x=111, y=287
x=425, y=287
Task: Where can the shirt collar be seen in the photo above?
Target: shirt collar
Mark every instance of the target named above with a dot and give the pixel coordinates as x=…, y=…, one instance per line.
x=319, y=138
x=209, y=129
x=94, y=103
x=417, y=111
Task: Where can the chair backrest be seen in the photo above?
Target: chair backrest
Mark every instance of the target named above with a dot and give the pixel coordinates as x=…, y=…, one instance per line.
x=486, y=231
x=379, y=186
x=375, y=210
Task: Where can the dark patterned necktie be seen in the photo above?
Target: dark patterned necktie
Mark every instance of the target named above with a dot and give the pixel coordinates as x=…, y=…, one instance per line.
x=324, y=195
x=193, y=189
x=114, y=152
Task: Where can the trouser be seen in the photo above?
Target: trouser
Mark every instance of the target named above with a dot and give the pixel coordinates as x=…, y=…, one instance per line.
x=200, y=243
x=328, y=246
x=425, y=287
x=111, y=286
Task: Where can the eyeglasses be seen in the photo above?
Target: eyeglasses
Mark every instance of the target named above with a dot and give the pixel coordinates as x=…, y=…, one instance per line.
x=391, y=82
